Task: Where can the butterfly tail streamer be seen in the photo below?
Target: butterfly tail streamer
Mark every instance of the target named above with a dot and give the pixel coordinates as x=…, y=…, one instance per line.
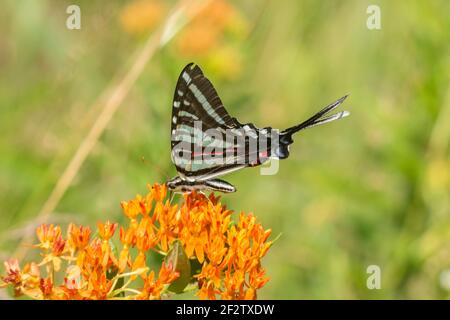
x=319, y=118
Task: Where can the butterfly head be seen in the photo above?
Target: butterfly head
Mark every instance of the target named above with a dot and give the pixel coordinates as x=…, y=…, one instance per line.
x=177, y=184
x=174, y=183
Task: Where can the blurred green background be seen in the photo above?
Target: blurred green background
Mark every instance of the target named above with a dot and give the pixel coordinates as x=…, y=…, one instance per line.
x=372, y=189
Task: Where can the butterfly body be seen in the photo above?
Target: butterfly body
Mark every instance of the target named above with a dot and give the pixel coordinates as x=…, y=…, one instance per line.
x=206, y=142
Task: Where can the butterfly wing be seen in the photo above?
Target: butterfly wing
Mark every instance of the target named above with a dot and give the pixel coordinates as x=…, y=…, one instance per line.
x=195, y=99
x=202, y=128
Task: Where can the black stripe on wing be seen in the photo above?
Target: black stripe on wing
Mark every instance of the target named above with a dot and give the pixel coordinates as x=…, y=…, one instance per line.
x=195, y=99
x=211, y=157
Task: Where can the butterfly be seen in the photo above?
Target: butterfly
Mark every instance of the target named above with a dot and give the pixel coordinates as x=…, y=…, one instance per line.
x=207, y=142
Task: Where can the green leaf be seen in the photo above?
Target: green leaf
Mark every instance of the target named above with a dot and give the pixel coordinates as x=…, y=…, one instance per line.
x=181, y=264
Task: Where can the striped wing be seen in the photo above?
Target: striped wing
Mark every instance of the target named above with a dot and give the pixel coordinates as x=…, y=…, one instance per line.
x=196, y=99
x=200, y=124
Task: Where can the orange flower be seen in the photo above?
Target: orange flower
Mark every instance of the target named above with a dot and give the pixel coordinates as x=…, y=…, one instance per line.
x=13, y=275
x=207, y=291
x=216, y=250
x=72, y=281
x=22, y=281
x=124, y=259
x=198, y=228
x=167, y=218
x=158, y=192
x=47, y=234
x=212, y=273
x=139, y=262
x=106, y=230
x=46, y=286
x=208, y=27
x=58, y=246
x=257, y=279
x=153, y=288
x=78, y=237
x=98, y=286
x=142, y=15
x=132, y=208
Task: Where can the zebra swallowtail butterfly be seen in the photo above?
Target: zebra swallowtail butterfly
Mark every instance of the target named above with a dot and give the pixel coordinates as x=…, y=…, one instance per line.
x=206, y=142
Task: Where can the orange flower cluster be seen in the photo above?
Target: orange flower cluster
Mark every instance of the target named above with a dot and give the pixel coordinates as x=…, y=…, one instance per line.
x=141, y=16
x=197, y=231
x=214, y=32
x=215, y=36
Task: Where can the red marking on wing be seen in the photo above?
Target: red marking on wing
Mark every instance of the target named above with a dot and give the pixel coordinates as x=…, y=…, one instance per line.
x=263, y=154
x=215, y=153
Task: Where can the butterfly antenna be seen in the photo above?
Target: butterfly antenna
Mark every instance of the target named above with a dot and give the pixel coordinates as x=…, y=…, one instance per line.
x=156, y=167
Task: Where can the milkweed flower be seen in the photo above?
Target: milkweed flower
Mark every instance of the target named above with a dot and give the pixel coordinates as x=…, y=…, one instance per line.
x=198, y=231
x=140, y=16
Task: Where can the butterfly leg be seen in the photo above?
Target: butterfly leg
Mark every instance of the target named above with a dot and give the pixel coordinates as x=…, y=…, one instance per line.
x=171, y=196
x=207, y=198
